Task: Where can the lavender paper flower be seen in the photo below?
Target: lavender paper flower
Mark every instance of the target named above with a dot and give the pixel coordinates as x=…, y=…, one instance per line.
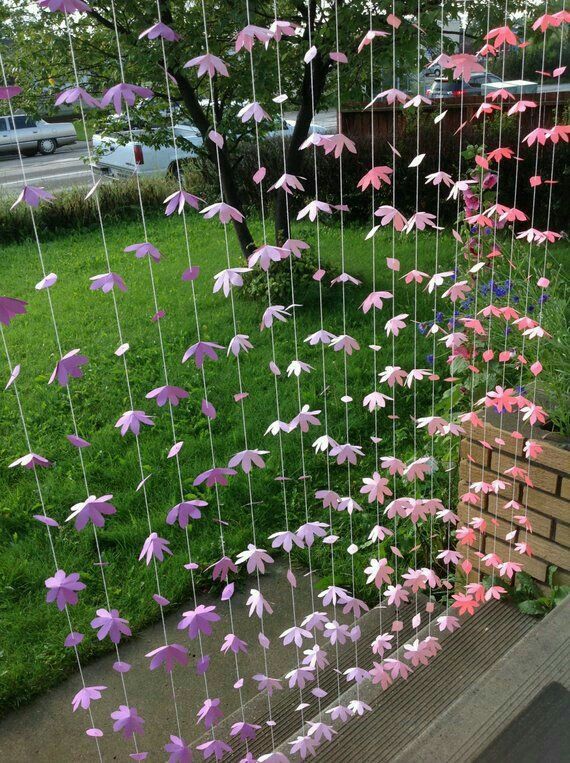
x=126, y=92
x=91, y=510
x=85, y=696
x=68, y=366
x=168, y=655
x=111, y=625
x=63, y=588
x=10, y=307
x=154, y=547
x=132, y=420
x=199, y=620
x=128, y=721
x=178, y=750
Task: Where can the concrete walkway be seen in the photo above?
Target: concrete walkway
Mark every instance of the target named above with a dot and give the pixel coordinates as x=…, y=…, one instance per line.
x=47, y=731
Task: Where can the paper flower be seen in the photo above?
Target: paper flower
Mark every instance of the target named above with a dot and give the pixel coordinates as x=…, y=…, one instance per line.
x=65, y=6
x=63, y=588
x=214, y=748
x=247, y=36
x=10, y=307
x=91, y=510
x=131, y=421
x=210, y=713
x=224, y=212
x=255, y=558
x=85, y=696
x=111, y=625
x=143, y=249
x=208, y=64
x=167, y=394
x=247, y=459
x=185, y=511
x=9, y=92
x=199, y=620
x=160, y=30
x=178, y=750
x=200, y=351
x=168, y=655
x=124, y=92
x=177, y=200
x=128, y=721
x=30, y=461
x=107, y=281
x=154, y=547
x=74, y=94
x=32, y=196
x=216, y=476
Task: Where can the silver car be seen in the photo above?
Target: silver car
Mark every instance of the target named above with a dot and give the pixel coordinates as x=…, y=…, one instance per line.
x=34, y=135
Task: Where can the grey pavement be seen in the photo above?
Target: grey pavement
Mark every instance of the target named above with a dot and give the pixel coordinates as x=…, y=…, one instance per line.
x=63, y=169
x=47, y=731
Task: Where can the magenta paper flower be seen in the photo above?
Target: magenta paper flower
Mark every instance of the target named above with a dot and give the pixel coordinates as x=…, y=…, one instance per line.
x=215, y=748
x=91, y=510
x=154, y=547
x=167, y=394
x=69, y=366
x=224, y=211
x=178, y=750
x=126, y=92
x=74, y=94
x=199, y=620
x=132, y=421
x=176, y=201
x=128, y=721
x=208, y=64
x=63, y=588
x=30, y=461
x=32, y=196
x=85, y=696
x=65, y=6
x=216, y=476
x=111, y=625
x=168, y=655
x=210, y=713
x=9, y=92
x=185, y=511
x=200, y=351
x=10, y=307
x=160, y=30
x=143, y=249
x=107, y=281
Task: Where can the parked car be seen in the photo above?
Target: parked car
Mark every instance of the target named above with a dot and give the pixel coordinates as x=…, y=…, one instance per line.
x=120, y=160
x=34, y=135
x=454, y=88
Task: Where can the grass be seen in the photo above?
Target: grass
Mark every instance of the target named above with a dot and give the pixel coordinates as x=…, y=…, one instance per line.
x=32, y=634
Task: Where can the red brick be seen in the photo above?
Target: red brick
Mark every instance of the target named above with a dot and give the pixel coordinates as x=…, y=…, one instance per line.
x=541, y=478
x=546, y=504
x=541, y=525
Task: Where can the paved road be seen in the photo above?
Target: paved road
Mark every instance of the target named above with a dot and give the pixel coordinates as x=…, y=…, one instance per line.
x=63, y=169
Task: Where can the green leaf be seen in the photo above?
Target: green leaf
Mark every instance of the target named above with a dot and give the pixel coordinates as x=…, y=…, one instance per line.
x=533, y=608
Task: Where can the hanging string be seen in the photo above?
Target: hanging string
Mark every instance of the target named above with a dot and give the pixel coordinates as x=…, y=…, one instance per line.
x=238, y=365
x=71, y=407
x=48, y=528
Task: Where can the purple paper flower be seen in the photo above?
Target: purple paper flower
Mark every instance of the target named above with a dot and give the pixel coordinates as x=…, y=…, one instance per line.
x=210, y=713
x=68, y=366
x=233, y=644
x=65, y=6
x=214, y=747
x=176, y=201
x=10, y=307
x=74, y=94
x=222, y=568
x=92, y=509
x=185, y=511
x=143, y=249
x=30, y=461
x=200, y=351
x=245, y=731
x=156, y=547
x=110, y=624
x=85, y=696
x=168, y=655
x=178, y=750
x=208, y=63
x=216, y=476
x=126, y=92
x=128, y=721
x=107, y=281
x=32, y=196
x=199, y=620
x=167, y=394
x=9, y=92
x=63, y=589
x=132, y=420
x=160, y=30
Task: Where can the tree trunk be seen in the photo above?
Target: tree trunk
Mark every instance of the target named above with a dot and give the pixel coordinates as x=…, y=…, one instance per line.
x=294, y=158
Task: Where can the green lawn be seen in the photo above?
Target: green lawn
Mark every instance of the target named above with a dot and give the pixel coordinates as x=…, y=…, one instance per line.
x=32, y=632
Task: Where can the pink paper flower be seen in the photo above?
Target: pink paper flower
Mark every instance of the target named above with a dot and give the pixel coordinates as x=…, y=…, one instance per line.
x=124, y=92
x=154, y=547
x=131, y=421
x=74, y=94
x=160, y=30
x=208, y=64
x=85, y=696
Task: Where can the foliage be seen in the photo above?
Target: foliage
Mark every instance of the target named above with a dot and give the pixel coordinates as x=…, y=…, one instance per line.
x=531, y=600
